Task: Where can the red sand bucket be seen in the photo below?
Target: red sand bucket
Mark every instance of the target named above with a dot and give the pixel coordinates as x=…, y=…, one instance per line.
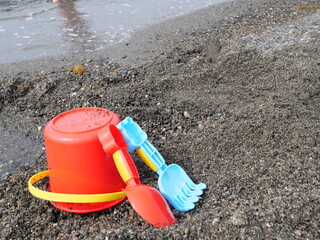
x=77, y=160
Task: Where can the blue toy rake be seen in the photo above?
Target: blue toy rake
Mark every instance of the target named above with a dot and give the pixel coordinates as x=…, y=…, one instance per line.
x=174, y=183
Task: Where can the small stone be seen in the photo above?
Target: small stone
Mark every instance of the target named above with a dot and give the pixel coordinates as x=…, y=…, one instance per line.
x=239, y=222
x=215, y=221
x=49, y=210
x=298, y=233
x=167, y=110
x=186, y=114
x=237, y=219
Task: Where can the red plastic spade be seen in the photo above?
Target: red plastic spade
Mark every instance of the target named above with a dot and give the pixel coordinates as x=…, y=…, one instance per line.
x=145, y=200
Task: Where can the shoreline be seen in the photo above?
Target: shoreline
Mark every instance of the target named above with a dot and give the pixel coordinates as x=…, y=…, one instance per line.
x=230, y=93
x=127, y=53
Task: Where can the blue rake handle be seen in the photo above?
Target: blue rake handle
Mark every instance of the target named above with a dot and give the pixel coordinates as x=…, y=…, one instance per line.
x=136, y=139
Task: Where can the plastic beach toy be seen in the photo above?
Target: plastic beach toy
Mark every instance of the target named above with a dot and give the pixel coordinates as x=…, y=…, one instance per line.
x=69, y=198
x=82, y=176
x=173, y=182
x=146, y=200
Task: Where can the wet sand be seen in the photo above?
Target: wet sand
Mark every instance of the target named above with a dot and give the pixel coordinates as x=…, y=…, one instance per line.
x=230, y=93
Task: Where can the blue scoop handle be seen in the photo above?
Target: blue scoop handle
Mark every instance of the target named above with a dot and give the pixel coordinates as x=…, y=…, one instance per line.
x=136, y=139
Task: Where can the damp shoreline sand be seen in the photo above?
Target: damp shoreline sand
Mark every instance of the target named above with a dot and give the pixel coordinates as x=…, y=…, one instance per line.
x=230, y=93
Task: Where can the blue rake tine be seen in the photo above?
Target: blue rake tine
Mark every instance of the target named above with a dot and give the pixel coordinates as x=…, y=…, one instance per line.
x=195, y=189
x=186, y=203
x=189, y=182
x=189, y=192
x=184, y=207
x=186, y=199
x=194, y=186
x=178, y=203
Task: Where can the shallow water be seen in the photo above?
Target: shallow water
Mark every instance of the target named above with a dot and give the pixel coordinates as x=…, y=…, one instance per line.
x=32, y=29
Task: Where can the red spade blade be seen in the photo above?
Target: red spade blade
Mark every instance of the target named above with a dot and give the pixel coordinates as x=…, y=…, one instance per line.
x=150, y=205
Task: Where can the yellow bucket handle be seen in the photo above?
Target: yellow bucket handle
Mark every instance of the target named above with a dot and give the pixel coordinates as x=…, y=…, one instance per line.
x=70, y=198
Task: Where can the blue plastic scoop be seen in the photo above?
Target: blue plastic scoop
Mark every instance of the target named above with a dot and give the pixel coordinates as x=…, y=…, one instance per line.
x=175, y=185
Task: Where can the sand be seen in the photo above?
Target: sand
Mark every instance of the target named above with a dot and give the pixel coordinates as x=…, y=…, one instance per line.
x=230, y=93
